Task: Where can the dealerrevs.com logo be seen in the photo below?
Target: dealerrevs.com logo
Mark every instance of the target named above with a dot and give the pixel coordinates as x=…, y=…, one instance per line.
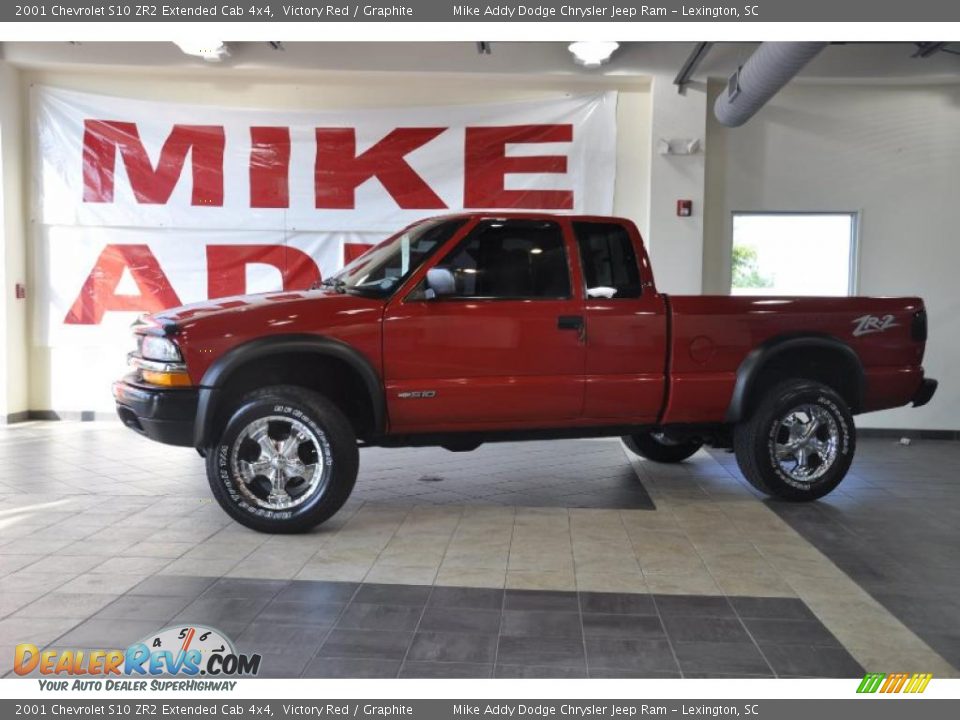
x=185, y=652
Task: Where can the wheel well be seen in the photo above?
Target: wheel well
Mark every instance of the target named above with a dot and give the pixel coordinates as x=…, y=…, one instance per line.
x=837, y=367
x=337, y=380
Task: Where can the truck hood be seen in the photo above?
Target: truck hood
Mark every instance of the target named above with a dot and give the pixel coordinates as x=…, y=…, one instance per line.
x=288, y=310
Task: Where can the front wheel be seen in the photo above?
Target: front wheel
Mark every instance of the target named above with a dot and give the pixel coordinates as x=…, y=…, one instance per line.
x=286, y=461
x=798, y=443
x=660, y=447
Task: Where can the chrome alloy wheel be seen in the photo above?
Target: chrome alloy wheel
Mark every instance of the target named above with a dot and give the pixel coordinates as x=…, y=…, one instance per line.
x=806, y=442
x=278, y=463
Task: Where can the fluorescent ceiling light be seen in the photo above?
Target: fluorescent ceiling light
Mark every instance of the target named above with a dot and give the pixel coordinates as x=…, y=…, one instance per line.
x=209, y=50
x=593, y=54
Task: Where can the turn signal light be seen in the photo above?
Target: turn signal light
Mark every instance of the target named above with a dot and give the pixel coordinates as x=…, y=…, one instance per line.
x=166, y=379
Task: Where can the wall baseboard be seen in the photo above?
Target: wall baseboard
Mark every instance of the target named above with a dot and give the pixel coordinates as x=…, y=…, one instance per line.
x=896, y=434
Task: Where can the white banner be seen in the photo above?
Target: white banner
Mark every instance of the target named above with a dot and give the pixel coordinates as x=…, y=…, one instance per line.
x=141, y=204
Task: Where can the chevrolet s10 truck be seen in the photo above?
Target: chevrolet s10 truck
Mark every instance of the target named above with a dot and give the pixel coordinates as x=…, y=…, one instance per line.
x=475, y=328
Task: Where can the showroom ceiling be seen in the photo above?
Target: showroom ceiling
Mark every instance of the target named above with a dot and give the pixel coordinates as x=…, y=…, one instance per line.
x=879, y=62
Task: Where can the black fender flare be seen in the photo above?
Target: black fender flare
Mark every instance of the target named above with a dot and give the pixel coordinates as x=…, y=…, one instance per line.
x=220, y=371
x=759, y=358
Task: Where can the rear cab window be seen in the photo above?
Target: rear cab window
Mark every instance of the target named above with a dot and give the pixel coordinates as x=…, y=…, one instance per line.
x=609, y=261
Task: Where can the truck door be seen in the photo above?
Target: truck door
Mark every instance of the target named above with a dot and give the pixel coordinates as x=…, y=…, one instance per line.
x=626, y=326
x=501, y=347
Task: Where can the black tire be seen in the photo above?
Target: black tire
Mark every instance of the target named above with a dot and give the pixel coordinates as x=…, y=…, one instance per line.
x=661, y=449
x=330, y=439
x=755, y=441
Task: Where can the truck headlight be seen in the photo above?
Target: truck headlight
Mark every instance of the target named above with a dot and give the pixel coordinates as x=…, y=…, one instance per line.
x=161, y=349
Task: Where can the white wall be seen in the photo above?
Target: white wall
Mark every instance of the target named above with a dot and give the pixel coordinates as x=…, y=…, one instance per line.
x=890, y=152
x=55, y=372
x=13, y=312
x=676, y=243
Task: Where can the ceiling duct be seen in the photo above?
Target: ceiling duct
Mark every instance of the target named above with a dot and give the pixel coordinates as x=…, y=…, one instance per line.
x=761, y=77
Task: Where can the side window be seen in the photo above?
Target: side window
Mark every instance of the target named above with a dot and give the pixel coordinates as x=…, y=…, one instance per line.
x=609, y=261
x=517, y=259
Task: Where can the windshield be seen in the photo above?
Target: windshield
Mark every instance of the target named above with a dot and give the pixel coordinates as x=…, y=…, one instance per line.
x=383, y=269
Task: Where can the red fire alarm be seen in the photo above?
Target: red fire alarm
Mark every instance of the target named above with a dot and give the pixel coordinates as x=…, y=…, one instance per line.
x=684, y=208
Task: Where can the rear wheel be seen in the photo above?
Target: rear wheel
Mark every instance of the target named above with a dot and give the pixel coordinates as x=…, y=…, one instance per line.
x=286, y=461
x=799, y=442
x=661, y=448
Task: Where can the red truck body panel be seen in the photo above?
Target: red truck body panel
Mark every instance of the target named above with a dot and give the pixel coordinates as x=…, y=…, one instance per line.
x=501, y=365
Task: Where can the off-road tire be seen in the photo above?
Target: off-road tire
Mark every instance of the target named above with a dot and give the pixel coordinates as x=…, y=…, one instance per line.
x=754, y=440
x=652, y=447
x=337, y=446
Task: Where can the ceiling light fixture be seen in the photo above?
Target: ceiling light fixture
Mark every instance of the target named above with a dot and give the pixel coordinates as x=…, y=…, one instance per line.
x=209, y=50
x=593, y=53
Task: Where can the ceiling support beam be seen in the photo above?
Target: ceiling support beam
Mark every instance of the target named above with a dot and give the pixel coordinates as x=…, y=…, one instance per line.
x=690, y=65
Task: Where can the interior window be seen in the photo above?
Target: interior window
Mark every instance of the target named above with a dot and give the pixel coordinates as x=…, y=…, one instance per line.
x=510, y=259
x=609, y=261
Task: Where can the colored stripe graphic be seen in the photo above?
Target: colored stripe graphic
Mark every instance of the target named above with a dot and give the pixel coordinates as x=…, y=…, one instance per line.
x=894, y=683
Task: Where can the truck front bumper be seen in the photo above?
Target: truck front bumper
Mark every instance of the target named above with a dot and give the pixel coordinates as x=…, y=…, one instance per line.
x=926, y=390
x=166, y=415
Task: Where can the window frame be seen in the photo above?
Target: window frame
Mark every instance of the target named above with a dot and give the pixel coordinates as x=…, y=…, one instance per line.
x=644, y=285
x=853, y=257
x=479, y=226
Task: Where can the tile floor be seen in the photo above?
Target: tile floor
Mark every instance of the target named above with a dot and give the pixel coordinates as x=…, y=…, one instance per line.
x=105, y=536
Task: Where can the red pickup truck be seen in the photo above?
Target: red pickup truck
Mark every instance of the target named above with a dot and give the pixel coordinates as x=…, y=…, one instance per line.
x=474, y=328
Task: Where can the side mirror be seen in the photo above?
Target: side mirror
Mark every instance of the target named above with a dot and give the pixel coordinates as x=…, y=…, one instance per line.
x=440, y=282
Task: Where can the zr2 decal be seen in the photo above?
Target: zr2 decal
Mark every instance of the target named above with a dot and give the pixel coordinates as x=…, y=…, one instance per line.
x=867, y=324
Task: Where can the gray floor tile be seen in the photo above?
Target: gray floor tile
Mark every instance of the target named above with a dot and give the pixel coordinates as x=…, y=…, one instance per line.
x=617, y=603
x=381, y=594
x=544, y=652
x=541, y=600
x=417, y=669
x=317, y=592
x=458, y=619
x=277, y=638
x=541, y=623
x=767, y=631
x=720, y=657
x=306, y=613
x=693, y=606
x=172, y=585
x=632, y=626
x=143, y=607
x=453, y=647
x=773, y=608
x=534, y=672
x=630, y=654
x=361, y=616
x=799, y=660
x=705, y=629
x=380, y=644
x=462, y=597
x=346, y=667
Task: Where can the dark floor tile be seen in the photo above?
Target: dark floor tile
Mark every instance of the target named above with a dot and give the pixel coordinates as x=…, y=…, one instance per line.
x=617, y=603
x=318, y=592
x=380, y=617
x=244, y=588
x=630, y=654
x=534, y=672
x=384, y=594
x=103, y=633
x=709, y=676
x=366, y=644
x=418, y=669
x=693, y=605
x=541, y=623
x=453, y=647
x=545, y=652
x=627, y=626
x=773, y=608
x=282, y=663
x=464, y=597
x=812, y=661
x=455, y=619
x=705, y=629
x=216, y=610
x=557, y=600
x=306, y=613
x=172, y=585
x=790, y=632
x=728, y=658
x=342, y=667
x=600, y=672
x=277, y=638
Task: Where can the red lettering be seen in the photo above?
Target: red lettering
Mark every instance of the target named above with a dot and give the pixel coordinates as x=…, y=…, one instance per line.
x=99, y=292
x=486, y=165
x=152, y=186
x=269, y=167
x=351, y=251
x=339, y=170
x=227, y=267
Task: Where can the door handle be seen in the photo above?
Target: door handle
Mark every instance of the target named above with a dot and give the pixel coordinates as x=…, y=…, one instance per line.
x=570, y=322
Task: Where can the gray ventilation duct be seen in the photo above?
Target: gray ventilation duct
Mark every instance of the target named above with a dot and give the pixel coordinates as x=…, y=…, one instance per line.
x=771, y=67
